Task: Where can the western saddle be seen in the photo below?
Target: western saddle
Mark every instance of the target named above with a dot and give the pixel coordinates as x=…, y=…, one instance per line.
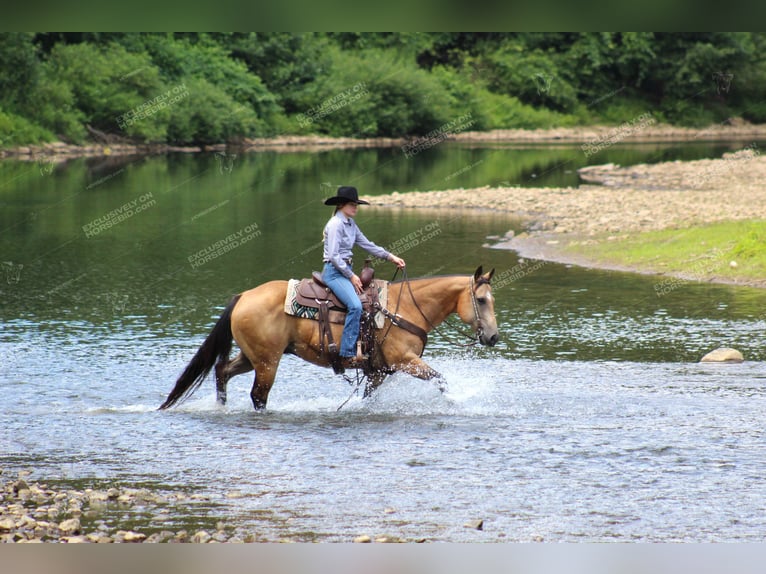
x=313, y=292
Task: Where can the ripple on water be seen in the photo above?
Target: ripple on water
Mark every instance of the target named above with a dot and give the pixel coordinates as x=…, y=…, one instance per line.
x=562, y=450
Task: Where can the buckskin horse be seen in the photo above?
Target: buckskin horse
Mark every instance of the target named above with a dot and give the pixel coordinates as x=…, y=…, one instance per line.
x=256, y=320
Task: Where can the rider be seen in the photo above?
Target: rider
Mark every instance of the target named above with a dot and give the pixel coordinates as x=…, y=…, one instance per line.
x=340, y=235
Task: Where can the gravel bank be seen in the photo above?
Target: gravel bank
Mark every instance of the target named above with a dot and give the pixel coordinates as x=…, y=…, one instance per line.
x=614, y=201
x=38, y=512
x=638, y=198
x=32, y=512
x=732, y=129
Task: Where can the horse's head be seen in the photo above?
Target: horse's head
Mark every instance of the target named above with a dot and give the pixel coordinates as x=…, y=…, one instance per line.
x=477, y=307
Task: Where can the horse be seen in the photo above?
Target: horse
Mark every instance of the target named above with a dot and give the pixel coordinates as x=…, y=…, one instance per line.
x=256, y=320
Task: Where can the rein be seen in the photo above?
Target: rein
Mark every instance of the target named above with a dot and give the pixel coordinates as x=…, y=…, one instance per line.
x=471, y=337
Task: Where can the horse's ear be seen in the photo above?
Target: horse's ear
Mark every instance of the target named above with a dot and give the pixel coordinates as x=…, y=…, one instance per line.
x=478, y=273
x=490, y=274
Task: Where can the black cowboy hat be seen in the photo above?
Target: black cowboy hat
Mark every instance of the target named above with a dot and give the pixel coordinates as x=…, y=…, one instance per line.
x=345, y=194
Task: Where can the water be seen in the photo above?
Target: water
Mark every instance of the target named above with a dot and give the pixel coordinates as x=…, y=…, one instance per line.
x=590, y=421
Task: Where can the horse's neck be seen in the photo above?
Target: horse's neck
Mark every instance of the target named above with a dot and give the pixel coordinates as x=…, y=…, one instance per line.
x=436, y=298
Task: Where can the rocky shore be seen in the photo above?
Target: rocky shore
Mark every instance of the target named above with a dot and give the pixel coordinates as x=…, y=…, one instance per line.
x=43, y=512
x=628, y=199
x=32, y=512
x=613, y=202
x=648, y=131
x=732, y=129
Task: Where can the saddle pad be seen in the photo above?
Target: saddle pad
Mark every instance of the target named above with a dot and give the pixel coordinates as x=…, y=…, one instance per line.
x=292, y=307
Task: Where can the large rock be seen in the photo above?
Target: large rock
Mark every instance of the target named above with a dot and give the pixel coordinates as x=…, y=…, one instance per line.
x=71, y=526
x=723, y=355
x=201, y=537
x=131, y=536
x=475, y=524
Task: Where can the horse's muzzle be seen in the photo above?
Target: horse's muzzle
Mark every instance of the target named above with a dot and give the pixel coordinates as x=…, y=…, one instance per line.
x=488, y=341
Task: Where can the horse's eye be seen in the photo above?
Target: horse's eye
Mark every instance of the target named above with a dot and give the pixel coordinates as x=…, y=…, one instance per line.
x=481, y=300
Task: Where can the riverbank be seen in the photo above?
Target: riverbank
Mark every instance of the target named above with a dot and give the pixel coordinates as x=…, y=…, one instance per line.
x=572, y=225
x=644, y=132
x=55, y=512
x=45, y=512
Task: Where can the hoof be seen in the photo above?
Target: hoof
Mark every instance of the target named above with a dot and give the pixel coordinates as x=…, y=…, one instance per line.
x=259, y=405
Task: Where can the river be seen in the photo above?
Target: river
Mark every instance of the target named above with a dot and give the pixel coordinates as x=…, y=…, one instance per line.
x=592, y=419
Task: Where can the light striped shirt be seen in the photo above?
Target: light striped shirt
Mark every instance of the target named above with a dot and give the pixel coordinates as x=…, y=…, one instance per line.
x=341, y=234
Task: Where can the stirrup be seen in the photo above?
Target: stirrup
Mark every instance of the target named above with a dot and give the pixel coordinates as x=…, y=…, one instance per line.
x=355, y=362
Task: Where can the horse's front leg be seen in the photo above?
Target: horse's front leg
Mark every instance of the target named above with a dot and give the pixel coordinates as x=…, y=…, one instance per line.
x=417, y=367
x=374, y=380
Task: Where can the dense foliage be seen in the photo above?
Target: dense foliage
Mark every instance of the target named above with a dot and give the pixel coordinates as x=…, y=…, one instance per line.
x=193, y=88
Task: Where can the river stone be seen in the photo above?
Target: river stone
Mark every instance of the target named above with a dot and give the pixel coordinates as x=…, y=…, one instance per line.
x=363, y=539
x=71, y=526
x=201, y=537
x=7, y=524
x=723, y=355
x=98, y=496
x=134, y=536
x=159, y=537
x=20, y=485
x=475, y=524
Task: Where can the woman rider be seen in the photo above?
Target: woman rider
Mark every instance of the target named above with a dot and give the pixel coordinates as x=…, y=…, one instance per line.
x=340, y=235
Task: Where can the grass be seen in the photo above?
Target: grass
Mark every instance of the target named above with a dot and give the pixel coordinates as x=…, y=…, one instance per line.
x=702, y=252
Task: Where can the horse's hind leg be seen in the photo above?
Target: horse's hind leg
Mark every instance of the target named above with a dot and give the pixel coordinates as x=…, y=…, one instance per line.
x=265, y=373
x=225, y=370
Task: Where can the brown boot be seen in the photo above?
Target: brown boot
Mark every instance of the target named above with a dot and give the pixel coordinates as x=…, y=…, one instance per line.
x=357, y=362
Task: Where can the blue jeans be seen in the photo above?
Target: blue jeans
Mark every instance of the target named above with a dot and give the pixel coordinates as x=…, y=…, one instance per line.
x=345, y=291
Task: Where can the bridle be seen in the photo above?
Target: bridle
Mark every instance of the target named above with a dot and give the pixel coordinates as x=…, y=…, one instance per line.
x=472, y=286
x=396, y=319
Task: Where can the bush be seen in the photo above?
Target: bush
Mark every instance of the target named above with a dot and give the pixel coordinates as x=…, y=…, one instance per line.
x=209, y=115
x=105, y=84
x=374, y=93
x=753, y=243
x=16, y=130
x=53, y=105
x=623, y=108
x=692, y=114
x=200, y=96
x=491, y=110
x=755, y=113
x=182, y=61
x=532, y=77
x=18, y=67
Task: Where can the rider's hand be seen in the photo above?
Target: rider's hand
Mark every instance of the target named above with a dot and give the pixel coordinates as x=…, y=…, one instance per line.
x=398, y=261
x=356, y=282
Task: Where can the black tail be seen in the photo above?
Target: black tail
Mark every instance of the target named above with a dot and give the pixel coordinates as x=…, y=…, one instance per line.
x=216, y=346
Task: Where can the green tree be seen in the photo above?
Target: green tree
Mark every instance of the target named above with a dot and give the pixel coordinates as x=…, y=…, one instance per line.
x=18, y=67
x=106, y=83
